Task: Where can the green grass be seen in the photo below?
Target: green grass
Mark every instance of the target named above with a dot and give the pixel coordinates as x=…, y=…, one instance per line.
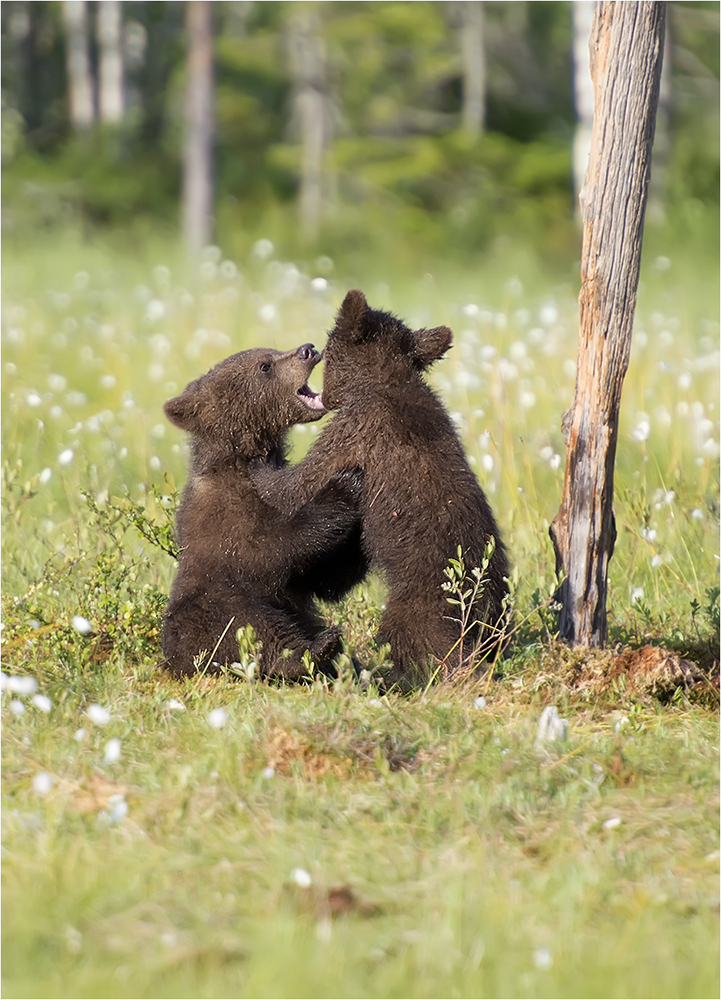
x=475, y=858
x=475, y=863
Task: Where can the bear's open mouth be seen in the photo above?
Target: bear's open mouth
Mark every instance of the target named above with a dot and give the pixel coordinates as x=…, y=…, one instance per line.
x=313, y=400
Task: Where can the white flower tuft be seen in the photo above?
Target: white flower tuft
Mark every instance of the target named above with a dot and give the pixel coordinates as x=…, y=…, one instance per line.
x=42, y=783
x=301, y=877
x=99, y=715
x=217, y=718
x=80, y=624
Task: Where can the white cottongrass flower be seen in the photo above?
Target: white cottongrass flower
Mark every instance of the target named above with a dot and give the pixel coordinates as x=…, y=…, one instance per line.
x=543, y=959
x=527, y=399
x=154, y=310
x=3, y=680
x=16, y=707
x=112, y=751
x=650, y=534
x=642, y=430
x=42, y=702
x=263, y=249
x=217, y=718
x=612, y=823
x=175, y=705
x=479, y=702
x=555, y=461
x=656, y=562
x=697, y=514
x=99, y=715
x=319, y=284
x=551, y=726
x=636, y=594
x=618, y=726
x=33, y=399
x=66, y=457
x=42, y=783
x=268, y=772
x=471, y=310
x=548, y=314
x=22, y=685
x=108, y=382
x=487, y=462
x=118, y=810
x=268, y=312
x=80, y=624
x=80, y=735
x=45, y=475
x=301, y=877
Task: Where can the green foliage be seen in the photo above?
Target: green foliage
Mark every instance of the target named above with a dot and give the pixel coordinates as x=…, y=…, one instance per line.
x=397, y=159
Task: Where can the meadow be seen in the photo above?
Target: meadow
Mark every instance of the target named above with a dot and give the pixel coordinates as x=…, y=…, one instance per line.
x=223, y=837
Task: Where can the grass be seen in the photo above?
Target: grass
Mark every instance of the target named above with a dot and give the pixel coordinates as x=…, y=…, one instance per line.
x=449, y=854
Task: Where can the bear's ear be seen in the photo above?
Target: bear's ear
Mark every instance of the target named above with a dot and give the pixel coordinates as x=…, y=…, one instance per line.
x=351, y=315
x=182, y=410
x=430, y=345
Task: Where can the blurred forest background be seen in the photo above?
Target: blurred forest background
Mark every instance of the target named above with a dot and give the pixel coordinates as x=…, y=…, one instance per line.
x=373, y=131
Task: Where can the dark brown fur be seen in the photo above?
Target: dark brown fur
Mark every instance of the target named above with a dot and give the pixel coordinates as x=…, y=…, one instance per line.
x=420, y=498
x=241, y=560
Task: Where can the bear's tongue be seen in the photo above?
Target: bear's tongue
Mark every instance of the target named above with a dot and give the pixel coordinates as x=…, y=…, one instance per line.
x=313, y=400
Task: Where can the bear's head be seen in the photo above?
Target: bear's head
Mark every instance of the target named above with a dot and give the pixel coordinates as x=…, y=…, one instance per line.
x=243, y=406
x=367, y=347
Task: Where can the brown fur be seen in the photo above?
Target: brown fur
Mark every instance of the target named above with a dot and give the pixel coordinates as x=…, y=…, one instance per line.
x=241, y=560
x=420, y=498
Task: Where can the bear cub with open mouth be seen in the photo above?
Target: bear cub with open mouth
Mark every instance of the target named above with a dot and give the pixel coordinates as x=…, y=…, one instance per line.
x=241, y=560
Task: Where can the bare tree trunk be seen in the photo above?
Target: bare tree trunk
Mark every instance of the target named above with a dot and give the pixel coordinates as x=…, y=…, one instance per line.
x=77, y=59
x=308, y=67
x=110, y=75
x=626, y=55
x=582, y=14
x=198, y=151
x=473, y=115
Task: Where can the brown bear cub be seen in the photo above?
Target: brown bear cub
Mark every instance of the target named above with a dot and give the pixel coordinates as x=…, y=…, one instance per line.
x=242, y=561
x=420, y=498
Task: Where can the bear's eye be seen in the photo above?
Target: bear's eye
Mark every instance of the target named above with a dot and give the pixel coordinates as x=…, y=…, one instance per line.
x=265, y=367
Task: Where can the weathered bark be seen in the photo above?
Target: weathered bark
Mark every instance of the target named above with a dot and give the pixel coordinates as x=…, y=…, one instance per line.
x=77, y=59
x=110, y=76
x=308, y=68
x=473, y=113
x=198, y=151
x=582, y=16
x=626, y=54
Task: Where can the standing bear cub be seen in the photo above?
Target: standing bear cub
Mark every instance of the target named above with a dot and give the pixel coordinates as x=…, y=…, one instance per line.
x=421, y=501
x=242, y=561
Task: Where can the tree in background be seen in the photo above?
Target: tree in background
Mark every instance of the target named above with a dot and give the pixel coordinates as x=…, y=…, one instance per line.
x=198, y=143
x=473, y=114
x=308, y=68
x=111, y=98
x=80, y=80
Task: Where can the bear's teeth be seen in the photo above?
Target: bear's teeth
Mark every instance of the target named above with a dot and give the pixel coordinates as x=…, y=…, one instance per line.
x=313, y=400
